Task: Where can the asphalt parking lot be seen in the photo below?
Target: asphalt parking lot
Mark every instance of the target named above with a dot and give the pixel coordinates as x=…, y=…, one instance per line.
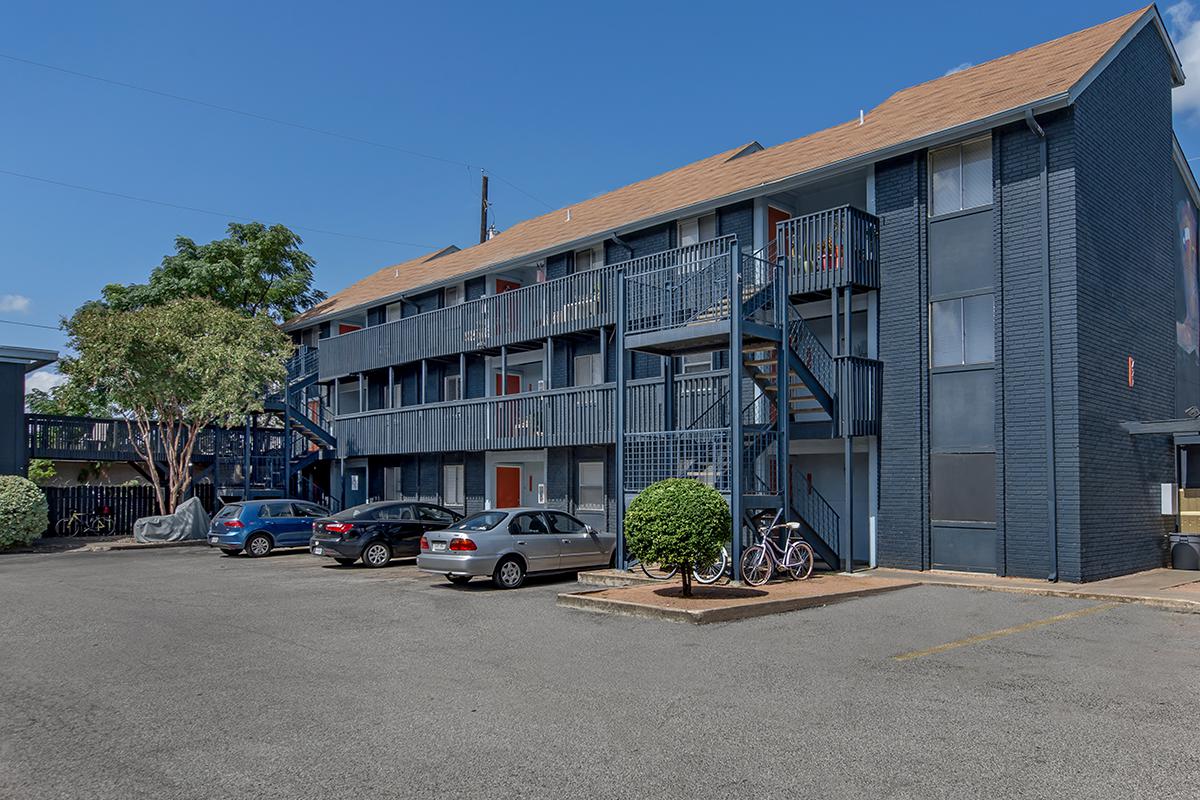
x=184, y=674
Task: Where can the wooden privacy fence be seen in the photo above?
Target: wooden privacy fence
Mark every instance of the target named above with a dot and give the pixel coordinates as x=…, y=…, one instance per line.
x=121, y=505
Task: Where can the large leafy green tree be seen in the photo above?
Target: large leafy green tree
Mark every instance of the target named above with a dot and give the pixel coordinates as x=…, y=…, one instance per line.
x=175, y=368
x=256, y=269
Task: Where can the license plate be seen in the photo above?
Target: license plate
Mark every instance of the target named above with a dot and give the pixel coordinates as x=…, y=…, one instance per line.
x=318, y=551
x=439, y=547
x=212, y=540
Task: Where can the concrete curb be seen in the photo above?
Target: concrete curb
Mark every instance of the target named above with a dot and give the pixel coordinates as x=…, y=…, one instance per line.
x=151, y=545
x=586, y=601
x=1169, y=603
x=610, y=579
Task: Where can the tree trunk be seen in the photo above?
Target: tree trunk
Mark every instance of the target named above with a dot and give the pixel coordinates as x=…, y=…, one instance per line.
x=685, y=572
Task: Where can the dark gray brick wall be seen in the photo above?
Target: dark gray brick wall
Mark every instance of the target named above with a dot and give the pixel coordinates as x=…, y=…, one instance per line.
x=474, y=482
x=475, y=288
x=559, y=266
x=1022, y=500
x=902, y=532
x=737, y=220
x=1126, y=306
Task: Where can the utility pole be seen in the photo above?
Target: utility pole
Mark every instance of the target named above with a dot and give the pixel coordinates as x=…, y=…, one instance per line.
x=483, y=209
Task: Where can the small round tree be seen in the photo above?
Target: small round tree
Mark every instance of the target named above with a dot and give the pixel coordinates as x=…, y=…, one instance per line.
x=24, y=514
x=678, y=522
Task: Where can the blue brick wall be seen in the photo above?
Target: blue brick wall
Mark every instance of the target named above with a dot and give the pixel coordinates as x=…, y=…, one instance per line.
x=1023, y=540
x=475, y=288
x=903, y=526
x=737, y=220
x=474, y=482
x=1126, y=307
x=559, y=266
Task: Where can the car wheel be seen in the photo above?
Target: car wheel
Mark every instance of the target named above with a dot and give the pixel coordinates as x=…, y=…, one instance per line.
x=229, y=552
x=345, y=562
x=459, y=580
x=258, y=545
x=377, y=554
x=509, y=574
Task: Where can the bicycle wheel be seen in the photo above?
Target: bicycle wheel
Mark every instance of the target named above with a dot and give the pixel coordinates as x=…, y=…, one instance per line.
x=798, y=560
x=658, y=572
x=67, y=526
x=756, y=565
x=712, y=572
x=101, y=525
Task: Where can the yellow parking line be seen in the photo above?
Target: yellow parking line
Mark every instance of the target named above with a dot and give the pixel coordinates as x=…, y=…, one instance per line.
x=983, y=637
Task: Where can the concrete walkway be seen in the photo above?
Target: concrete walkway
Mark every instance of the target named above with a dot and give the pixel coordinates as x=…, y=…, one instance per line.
x=1177, y=590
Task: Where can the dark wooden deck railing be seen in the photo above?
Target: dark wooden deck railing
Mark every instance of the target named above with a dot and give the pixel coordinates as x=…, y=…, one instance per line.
x=859, y=384
x=97, y=439
x=563, y=305
x=834, y=248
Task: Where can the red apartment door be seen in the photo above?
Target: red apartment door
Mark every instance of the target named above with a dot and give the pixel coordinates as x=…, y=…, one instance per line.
x=508, y=487
x=511, y=384
x=503, y=286
x=774, y=217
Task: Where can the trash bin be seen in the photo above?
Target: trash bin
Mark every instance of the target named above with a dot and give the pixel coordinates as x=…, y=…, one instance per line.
x=1185, y=551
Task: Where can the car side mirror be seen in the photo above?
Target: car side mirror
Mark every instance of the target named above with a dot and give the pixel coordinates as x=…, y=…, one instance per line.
x=589, y=530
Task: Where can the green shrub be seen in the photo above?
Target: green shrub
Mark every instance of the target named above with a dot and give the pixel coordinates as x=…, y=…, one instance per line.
x=24, y=513
x=678, y=522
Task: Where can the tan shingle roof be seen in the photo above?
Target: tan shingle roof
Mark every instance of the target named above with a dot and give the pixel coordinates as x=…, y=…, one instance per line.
x=1011, y=82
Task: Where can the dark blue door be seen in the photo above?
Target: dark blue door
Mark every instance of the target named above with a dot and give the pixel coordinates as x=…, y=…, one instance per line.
x=356, y=486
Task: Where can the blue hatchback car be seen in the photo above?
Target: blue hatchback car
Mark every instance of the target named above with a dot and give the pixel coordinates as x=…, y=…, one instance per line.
x=259, y=526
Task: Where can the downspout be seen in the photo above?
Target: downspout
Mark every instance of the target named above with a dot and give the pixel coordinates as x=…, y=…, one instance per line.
x=1047, y=343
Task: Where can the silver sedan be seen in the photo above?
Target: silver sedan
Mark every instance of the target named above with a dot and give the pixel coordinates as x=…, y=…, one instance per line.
x=508, y=544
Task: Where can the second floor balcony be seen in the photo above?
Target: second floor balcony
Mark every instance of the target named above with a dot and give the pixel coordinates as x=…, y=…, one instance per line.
x=565, y=305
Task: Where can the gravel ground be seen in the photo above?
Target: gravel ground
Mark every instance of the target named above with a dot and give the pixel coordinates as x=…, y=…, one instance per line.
x=185, y=674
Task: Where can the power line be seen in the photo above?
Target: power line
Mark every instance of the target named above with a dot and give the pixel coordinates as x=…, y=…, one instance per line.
x=31, y=325
x=224, y=214
x=264, y=118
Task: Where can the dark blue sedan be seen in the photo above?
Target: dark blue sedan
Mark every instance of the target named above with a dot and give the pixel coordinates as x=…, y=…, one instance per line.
x=259, y=526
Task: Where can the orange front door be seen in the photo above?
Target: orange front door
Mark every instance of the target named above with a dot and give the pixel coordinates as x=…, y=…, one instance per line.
x=508, y=487
x=503, y=286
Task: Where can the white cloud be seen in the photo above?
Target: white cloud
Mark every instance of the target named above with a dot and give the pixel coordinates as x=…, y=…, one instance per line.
x=959, y=68
x=1185, y=30
x=14, y=302
x=44, y=379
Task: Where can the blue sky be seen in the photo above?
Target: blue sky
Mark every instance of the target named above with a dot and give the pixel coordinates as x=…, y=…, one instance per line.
x=564, y=100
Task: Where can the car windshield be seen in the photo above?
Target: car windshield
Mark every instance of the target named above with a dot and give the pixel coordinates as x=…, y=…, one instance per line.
x=483, y=521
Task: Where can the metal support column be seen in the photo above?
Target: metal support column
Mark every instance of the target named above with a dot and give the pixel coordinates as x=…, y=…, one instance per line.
x=502, y=389
x=424, y=395
x=391, y=398
x=619, y=421
x=603, y=355
x=668, y=420
x=783, y=395
x=548, y=363
x=246, y=444
x=287, y=439
x=845, y=402
x=462, y=376
x=736, y=443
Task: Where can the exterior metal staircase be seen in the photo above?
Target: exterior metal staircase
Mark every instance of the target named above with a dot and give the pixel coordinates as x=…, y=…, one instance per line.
x=307, y=425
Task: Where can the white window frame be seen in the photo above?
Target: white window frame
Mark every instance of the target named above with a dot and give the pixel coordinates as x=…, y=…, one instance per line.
x=595, y=371
x=454, y=380
x=453, y=487
x=690, y=363
x=694, y=229
x=588, y=254
x=453, y=295
x=580, y=485
x=961, y=206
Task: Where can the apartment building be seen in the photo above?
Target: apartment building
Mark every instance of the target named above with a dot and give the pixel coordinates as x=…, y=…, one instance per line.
x=959, y=331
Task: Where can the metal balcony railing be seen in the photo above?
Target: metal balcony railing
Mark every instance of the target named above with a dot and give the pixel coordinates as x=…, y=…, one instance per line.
x=560, y=418
x=564, y=305
x=859, y=386
x=679, y=287
x=834, y=248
